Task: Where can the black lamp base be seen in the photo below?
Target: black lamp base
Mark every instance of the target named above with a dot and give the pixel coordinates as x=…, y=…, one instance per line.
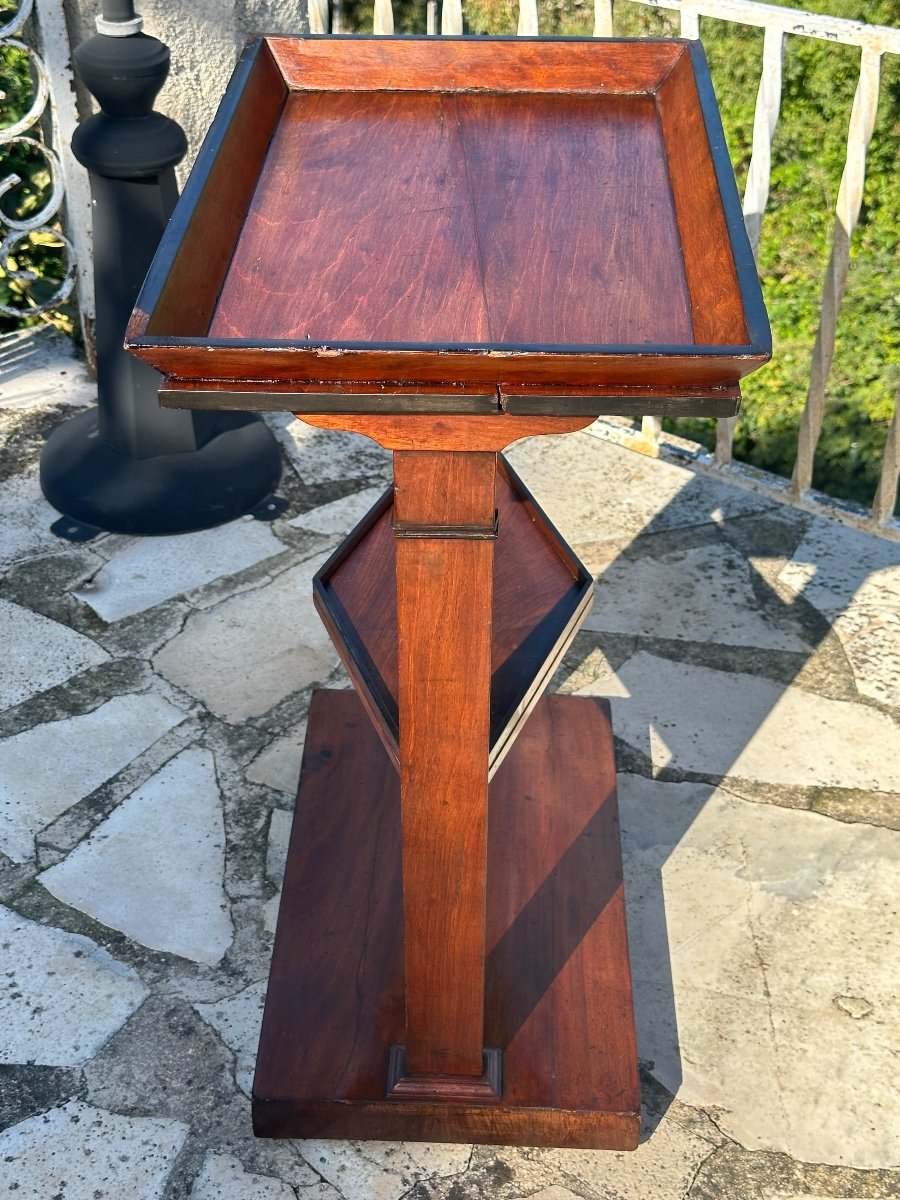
x=229, y=475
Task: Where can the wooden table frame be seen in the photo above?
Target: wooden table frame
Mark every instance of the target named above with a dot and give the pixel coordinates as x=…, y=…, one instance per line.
x=484, y=1033
x=447, y=245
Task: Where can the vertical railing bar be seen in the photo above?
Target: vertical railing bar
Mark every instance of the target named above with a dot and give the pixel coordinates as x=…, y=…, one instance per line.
x=651, y=432
x=765, y=120
x=725, y=429
x=849, y=202
x=756, y=192
x=318, y=16
x=451, y=17
x=431, y=18
x=690, y=22
x=603, y=18
x=886, y=494
x=528, y=19
x=383, y=18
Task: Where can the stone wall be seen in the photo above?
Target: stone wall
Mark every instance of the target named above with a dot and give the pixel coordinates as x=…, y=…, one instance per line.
x=205, y=38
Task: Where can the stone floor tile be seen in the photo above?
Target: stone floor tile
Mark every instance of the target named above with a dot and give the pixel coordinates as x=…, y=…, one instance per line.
x=663, y=1165
x=40, y=367
x=61, y=995
x=766, y=960
x=737, y=1174
x=703, y=594
x=498, y=1172
x=82, y=1153
x=279, y=836
x=593, y=490
x=691, y=718
x=237, y=1020
x=25, y=519
x=853, y=579
x=270, y=912
x=278, y=766
x=340, y=516
x=147, y=571
x=382, y=1170
x=224, y=1178
x=833, y=564
x=555, y=1192
x=873, y=651
x=47, y=769
x=243, y=656
x=153, y=869
x=328, y=456
x=39, y=653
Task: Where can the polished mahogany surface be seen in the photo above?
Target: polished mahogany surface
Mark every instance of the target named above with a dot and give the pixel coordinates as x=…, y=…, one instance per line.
x=468, y=219
x=425, y=215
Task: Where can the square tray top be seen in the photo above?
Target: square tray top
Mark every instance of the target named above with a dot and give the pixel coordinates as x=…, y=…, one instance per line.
x=459, y=225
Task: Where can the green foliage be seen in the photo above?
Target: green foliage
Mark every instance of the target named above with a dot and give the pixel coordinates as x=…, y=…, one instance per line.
x=808, y=157
x=39, y=254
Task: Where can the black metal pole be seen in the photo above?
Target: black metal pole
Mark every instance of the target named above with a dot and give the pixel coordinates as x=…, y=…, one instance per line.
x=129, y=466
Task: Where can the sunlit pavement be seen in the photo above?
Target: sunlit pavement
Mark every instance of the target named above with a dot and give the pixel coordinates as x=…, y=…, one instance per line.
x=154, y=693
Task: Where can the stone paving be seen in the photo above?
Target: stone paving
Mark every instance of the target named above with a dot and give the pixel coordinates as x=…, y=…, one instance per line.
x=154, y=694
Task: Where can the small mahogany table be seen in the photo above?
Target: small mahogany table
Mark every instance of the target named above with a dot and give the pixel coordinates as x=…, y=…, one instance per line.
x=447, y=245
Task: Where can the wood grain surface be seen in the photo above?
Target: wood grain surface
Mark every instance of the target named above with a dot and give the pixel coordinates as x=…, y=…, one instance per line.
x=377, y=245
x=206, y=224
x=444, y=617
x=433, y=488
x=574, y=221
x=538, y=592
x=493, y=220
x=557, y=979
x=474, y=64
x=667, y=367
x=717, y=310
x=409, y=431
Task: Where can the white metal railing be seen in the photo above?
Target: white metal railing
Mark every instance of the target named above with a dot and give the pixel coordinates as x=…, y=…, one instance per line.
x=874, y=41
x=49, y=59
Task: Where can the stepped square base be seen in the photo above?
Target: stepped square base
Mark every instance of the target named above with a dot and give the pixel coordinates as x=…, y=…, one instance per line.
x=558, y=999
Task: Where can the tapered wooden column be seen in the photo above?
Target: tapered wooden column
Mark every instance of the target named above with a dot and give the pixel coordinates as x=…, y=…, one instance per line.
x=444, y=526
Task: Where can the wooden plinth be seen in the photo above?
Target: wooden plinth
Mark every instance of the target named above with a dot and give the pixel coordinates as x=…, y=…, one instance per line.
x=558, y=989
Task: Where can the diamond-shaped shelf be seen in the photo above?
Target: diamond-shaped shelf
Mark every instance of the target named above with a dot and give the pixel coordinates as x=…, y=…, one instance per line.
x=542, y=593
